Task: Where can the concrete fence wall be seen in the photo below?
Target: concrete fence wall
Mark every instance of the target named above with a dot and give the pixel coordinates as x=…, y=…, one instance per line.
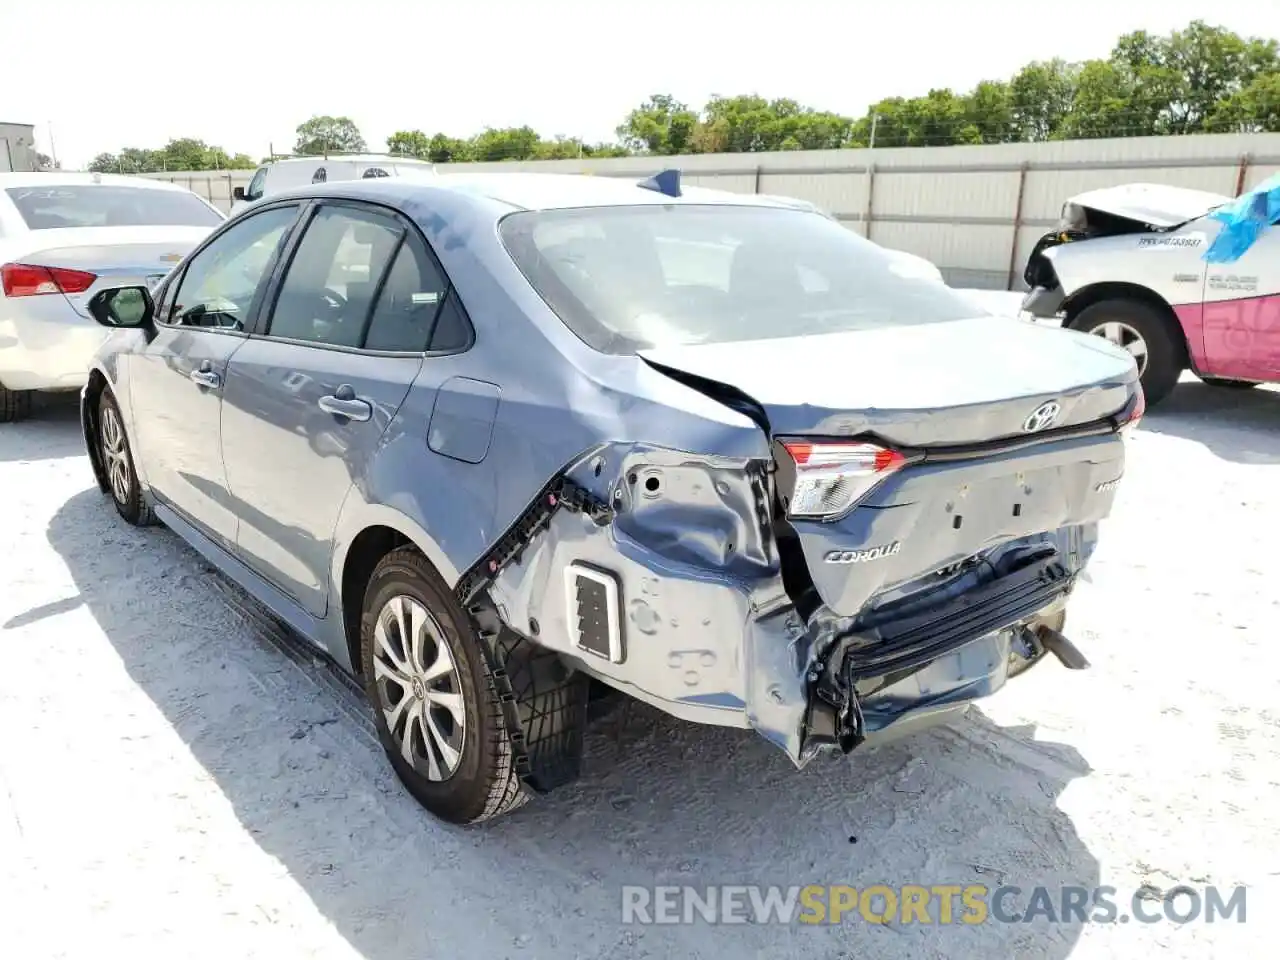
x=974, y=211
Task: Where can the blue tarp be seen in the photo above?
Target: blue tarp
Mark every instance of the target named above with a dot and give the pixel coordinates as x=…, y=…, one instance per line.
x=1243, y=220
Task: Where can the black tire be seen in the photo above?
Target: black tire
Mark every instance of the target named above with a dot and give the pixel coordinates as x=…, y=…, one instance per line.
x=14, y=405
x=483, y=784
x=1229, y=384
x=113, y=448
x=1166, y=350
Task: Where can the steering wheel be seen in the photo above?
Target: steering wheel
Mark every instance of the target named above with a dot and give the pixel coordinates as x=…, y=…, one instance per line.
x=334, y=300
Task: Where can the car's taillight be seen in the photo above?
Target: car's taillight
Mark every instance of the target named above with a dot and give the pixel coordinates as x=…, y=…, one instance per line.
x=30, y=280
x=1134, y=417
x=832, y=477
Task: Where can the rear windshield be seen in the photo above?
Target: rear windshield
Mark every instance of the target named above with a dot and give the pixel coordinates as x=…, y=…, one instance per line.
x=627, y=278
x=88, y=205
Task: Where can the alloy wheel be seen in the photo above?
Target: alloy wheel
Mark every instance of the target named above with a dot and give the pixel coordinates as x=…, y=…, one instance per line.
x=1125, y=337
x=116, y=456
x=419, y=691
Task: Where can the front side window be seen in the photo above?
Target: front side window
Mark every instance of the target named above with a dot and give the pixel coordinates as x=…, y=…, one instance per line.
x=219, y=284
x=628, y=278
x=328, y=292
x=102, y=205
x=256, y=185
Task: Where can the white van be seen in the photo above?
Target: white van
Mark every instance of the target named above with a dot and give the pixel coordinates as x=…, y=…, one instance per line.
x=290, y=172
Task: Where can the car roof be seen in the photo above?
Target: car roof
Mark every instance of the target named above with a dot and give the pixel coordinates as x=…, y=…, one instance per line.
x=533, y=191
x=60, y=179
x=349, y=157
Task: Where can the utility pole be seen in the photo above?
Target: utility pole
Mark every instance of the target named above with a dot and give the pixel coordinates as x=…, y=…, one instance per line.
x=53, y=148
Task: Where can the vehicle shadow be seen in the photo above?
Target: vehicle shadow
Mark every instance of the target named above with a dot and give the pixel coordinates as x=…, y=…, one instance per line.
x=50, y=433
x=661, y=803
x=1242, y=426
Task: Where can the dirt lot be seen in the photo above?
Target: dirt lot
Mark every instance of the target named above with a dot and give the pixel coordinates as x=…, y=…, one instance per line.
x=176, y=783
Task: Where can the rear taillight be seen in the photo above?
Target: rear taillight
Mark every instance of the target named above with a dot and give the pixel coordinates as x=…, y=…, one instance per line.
x=832, y=477
x=1131, y=420
x=30, y=280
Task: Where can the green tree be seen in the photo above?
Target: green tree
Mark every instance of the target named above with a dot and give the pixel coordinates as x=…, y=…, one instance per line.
x=508, y=143
x=104, y=163
x=1179, y=81
x=1101, y=105
x=409, y=143
x=1040, y=98
x=1255, y=109
x=325, y=134
x=446, y=149
x=660, y=125
x=988, y=109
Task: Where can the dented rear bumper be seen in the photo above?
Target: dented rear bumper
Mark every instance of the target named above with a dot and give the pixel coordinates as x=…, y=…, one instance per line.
x=660, y=579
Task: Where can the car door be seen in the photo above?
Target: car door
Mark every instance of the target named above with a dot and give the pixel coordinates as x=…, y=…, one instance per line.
x=1242, y=312
x=308, y=398
x=175, y=383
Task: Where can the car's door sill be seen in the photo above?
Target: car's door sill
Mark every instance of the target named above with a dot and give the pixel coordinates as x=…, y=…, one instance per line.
x=279, y=603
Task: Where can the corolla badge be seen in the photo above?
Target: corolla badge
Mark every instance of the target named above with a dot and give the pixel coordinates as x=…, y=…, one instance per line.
x=863, y=556
x=1042, y=417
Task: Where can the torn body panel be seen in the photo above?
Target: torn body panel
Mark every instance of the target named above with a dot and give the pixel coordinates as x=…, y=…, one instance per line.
x=670, y=586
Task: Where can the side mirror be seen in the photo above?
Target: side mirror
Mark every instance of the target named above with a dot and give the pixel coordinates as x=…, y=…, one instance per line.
x=238, y=193
x=126, y=307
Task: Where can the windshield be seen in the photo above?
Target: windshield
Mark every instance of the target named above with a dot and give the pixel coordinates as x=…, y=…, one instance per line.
x=89, y=205
x=628, y=278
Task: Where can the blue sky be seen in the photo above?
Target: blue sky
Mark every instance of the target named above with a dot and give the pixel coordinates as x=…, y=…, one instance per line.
x=243, y=74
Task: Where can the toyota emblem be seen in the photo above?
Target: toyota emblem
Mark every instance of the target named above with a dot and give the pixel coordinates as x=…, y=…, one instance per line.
x=1042, y=417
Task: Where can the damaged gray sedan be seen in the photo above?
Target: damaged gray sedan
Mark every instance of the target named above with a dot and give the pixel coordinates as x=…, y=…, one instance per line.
x=503, y=445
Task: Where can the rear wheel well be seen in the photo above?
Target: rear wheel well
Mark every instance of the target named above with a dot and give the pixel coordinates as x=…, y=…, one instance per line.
x=367, y=550
x=1098, y=292
x=92, y=397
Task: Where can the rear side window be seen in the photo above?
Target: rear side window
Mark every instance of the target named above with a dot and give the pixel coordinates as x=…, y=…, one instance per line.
x=407, y=306
x=327, y=294
x=94, y=205
x=360, y=279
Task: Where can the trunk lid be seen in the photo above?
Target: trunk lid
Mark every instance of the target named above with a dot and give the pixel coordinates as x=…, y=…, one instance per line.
x=958, y=382
x=116, y=255
x=959, y=397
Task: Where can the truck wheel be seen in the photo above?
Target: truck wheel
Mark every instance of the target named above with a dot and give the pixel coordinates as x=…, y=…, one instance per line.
x=436, y=705
x=1229, y=384
x=14, y=405
x=1146, y=334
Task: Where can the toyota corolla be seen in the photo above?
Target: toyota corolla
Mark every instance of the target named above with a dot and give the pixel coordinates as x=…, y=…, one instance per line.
x=501, y=443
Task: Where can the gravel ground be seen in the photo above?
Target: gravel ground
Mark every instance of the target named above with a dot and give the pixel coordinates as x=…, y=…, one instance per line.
x=176, y=781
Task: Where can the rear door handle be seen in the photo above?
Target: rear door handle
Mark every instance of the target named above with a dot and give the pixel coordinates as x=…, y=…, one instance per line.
x=344, y=403
x=206, y=378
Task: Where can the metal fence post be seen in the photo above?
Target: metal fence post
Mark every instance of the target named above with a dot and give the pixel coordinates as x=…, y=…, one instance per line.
x=1017, y=226
x=871, y=193
x=759, y=173
x=1241, y=172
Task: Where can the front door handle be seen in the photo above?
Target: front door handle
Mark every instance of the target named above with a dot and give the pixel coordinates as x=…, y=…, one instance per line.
x=344, y=403
x=206, y=378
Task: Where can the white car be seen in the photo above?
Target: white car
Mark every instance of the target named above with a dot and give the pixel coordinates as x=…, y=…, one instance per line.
x=1179, y=278
x=63, y=237
x=290, y=172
